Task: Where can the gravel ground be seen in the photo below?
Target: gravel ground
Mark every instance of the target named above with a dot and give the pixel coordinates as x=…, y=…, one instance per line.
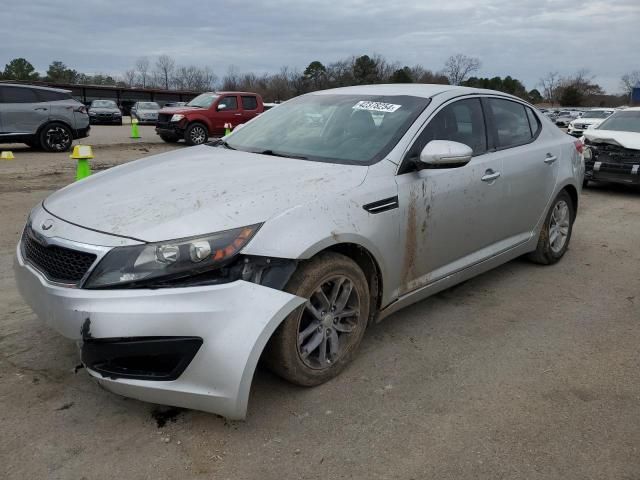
x=525, y=372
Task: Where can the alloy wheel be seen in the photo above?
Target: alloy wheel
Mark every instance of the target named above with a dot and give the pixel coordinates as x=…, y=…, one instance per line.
x=58, y=138
x=330, y=318
x=198, y=135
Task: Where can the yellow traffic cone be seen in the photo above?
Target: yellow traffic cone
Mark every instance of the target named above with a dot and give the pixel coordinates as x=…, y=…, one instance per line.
x=7, y=155
x=227, y=128
x=82, y=153
x=134, y=128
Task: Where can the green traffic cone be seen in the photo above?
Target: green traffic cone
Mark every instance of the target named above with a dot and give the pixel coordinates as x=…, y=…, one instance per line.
x=83, y=170
x=82, y=153
x=134, y=129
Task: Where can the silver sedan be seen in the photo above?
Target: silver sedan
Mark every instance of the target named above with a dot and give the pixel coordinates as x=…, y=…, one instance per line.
x=288, y=237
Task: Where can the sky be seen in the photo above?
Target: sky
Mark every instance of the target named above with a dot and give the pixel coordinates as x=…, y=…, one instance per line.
x=522, y=38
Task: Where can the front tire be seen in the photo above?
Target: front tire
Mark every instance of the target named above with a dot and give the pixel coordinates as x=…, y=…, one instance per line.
x=556, y=231
x=319, y=339
x=196, y=134
x=56, y=137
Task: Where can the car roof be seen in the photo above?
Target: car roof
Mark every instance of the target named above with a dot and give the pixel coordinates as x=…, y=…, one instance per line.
x=632, y=109
x=424, y=90
x=48, y=89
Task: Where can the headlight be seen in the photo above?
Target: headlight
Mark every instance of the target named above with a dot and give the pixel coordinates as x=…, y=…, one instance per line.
x=93, y=114
x=587, y=154
x=117, y=114
x=176, y=258
x=176, y=117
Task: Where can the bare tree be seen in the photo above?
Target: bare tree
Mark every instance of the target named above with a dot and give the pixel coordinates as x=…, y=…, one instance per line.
x=165, y=65
x=142, y=65
x=630, y=80
x=459, y=67
x=549, y=84
x=231, y=81
x=129, y=77
x=194, y=78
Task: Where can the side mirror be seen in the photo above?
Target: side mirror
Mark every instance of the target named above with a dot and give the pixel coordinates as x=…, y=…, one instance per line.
x=444, y=153
x=222, y=106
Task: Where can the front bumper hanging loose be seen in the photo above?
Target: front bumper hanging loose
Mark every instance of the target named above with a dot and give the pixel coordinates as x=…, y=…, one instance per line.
x=211, y=337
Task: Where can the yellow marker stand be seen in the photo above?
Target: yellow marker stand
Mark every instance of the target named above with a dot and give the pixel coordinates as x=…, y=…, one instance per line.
x=6, y=155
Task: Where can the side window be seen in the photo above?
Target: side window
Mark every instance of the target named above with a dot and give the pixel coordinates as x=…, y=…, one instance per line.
x=511, y=122
x=18, y=95
x=230, y=102
x=534, y=123
x=49, y=96
x=249, y=103
x=461, y=121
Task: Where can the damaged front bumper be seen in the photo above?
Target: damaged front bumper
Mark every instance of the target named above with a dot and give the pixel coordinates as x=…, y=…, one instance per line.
x=612, y=163
x=192, y=347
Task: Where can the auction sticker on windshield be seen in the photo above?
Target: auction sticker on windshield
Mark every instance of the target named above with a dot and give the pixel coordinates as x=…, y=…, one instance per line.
x=376, y=106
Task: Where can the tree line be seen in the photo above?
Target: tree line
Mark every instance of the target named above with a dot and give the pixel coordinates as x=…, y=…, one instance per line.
x=579, y=89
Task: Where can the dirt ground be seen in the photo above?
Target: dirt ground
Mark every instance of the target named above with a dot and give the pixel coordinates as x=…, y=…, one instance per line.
x=526, y=372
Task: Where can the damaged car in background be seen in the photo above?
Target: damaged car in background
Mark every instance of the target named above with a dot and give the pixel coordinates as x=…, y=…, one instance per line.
x=286, y=239
x=612, y=151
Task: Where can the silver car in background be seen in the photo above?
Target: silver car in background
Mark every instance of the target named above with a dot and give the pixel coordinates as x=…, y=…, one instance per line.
x=41, y=117
x=287, y=238
x=145, y=112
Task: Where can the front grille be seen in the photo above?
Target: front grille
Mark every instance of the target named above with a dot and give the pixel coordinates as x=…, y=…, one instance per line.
x=58, y=264
x=164, y=117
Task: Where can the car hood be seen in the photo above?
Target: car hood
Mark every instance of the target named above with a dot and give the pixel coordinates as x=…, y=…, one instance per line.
x=172, y=110
x=197, y=190
x=589, y=121
x=623, y=139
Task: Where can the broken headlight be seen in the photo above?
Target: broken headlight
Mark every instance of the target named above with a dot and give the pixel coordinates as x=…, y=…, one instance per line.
x=171, y=259
x=587, y=153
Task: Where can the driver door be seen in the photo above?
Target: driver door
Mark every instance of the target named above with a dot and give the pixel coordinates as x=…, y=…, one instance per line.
x=229, y=114
x=453, y=217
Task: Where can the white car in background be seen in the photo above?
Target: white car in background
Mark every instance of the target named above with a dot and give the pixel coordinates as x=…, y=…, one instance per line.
x=590, y=119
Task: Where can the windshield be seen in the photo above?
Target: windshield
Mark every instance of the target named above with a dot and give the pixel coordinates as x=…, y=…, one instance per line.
x=351, y=129
x=203, y=100
x=104, y=104
x=596, y=114
x=148, y=106
x=622, y=122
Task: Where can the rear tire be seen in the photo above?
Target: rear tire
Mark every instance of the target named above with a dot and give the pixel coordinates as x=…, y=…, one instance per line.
x=333, y=321
x=56, y=137
x=196, y=134
x=556, y=231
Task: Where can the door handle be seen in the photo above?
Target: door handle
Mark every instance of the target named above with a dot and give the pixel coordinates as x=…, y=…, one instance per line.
x=490, y=176
x=550, y=158
x=238, y=114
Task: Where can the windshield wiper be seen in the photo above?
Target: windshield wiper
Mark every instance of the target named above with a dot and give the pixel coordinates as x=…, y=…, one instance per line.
x=279, y=154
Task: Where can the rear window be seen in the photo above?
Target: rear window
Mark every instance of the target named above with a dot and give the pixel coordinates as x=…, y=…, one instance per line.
x=49, y=96
x=249, y=102
x=18, y=95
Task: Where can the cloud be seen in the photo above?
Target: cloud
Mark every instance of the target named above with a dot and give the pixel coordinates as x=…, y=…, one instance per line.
x=522, y=38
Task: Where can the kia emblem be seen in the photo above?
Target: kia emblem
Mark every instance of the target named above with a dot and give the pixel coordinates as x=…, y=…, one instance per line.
x=47, y=224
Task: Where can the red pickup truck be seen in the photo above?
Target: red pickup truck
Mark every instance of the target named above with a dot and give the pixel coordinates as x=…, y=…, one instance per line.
x=206, y=115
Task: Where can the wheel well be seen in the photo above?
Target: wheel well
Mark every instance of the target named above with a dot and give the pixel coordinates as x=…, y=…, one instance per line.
x=367, y=262
x=573, y=193
x=193, y=122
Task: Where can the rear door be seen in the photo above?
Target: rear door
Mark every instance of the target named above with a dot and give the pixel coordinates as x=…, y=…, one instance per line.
x=249, y=107
x=530, y=164
x=21, y=110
